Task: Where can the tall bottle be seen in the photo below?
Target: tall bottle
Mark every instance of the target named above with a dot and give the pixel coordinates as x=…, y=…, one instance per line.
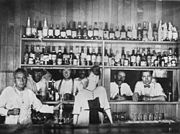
x=63, y=31
x=145, y=32
x=39, y=30
x=26, y=55
x=28, y=28
x=123, y=33
x=45, y=29
x=129, y=33
x=101, y=30
x=57, y=32
x=95, y=31
x=111, y=33
x=155, y=33
x=106, y=57
x=59, y=56
x=134, y=32
x=150, y=32
x=106, y=32
x=69, y=30
x=160, y=36
x=170, y=35
x=117, y=33
x=85, y=31
x=34, y=29
x=139, y=32
x=79, y=31
x=74, y=30
x=90, y=32
x=133, y=58
x=51, y=31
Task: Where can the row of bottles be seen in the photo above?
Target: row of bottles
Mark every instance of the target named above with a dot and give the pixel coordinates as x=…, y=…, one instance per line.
x=63, y=55
x=92, y=55
x=140, y=57
x=141, y=32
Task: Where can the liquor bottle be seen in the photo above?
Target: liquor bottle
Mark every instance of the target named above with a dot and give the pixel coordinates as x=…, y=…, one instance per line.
x=82, y=57
x=101, y=30
x=39, y=30
x=139, y=32
x=155, y=33
x=57, y=32
x=79, y=31
x=42, y=56
x=111, y=57
x=174, y=34
x=63, y=31
x=46, y=56
x=153, y=58
x=117, y=33
x=123, y=33
x=170, y=31
x=89, y=56
x=127, y=59
x=69, y=30
x=149, y=57
x=45, y=29
x=143, y=61
x=117, y=58
x=28, y=28
x=37, y=55
x=54, y=56
x=26, y=55
x=158, y=61
x=174, y=58
x=95, y=31
x=51, y=32
x=74, y=31
x=129, y=33
x=145, y=32
x=170, y=57
x=74, y=56
x=164, y=32
x=90, y=32
x=160, y=36
x=106, y=32
x=123, y=56
x=134, y=32
x=59, y=56
x=49, y=51
x=164, y=60
x=111, y=33
x=133, y=58
x=32, y=56
x=138, y=57
x=94, y=56
x=150, y=32
x=34, y=29
x=71, y=56
x=99, y=57
x=85, y=31
x=106, y=57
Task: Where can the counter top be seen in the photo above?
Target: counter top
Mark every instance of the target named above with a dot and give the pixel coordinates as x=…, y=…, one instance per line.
x=160, y=128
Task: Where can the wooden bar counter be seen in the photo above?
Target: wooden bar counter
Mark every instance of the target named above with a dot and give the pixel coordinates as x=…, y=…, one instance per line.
x=125, y=128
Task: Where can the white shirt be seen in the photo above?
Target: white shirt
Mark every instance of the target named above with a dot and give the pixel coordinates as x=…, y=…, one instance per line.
x=13, y=98
x=81, y=103
x=79, y=84
x=154, y=90
x=65, y=87
x=125, y=89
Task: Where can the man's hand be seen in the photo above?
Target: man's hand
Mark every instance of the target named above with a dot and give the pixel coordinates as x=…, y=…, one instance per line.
x=135, y=97
x=57, y=106
x=14, y=111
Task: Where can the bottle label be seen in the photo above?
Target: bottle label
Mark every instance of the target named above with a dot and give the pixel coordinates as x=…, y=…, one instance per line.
x=50, y=32
x=28, y=31
x=123, y=35
x=57, y=32
x=90, y=33
x=45, y=32
x=96, y=33
x=74, y=34
x=63, y=34
x=34, y=31
x=68, y=32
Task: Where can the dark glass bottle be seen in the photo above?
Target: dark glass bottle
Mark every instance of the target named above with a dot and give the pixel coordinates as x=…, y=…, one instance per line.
x=79, y=31
x=139, y=32
x=106, y=31
x=123, y=33
x=69, y=30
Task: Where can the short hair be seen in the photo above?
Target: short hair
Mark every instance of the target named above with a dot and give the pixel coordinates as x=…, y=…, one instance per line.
x=96, y=70
x=20, y=70
x=151, y=72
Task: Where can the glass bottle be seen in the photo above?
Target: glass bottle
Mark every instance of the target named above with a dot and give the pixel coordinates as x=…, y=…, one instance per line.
x=139, y=32
x=51, y=31
x=123, y=33
x=45, y=29
x=85, y=31
x=69, y=30
x=95, y=31
x=106, y=32
x=57, y=32
x=28, y=28
x=79, y=31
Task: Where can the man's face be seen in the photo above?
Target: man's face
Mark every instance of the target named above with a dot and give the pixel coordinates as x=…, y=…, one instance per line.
x=146, y=77
x=37, y=76
x=82, y=74
x=66, y=73
x=20, y=81
x=121, y=76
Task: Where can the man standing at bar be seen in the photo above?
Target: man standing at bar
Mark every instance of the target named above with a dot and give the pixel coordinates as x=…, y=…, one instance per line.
x=148, y=89
x=16, y=101
x=119, y=89
x=91, y=102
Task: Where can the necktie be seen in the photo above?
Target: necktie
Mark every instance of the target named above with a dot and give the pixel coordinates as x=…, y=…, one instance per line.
x=147, y=86
x=119, y=90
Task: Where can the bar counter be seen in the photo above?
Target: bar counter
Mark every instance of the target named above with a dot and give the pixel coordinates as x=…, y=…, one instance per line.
x=125, y=128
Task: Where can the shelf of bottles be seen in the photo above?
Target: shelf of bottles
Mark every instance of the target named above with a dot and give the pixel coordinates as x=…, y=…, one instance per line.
x=135, y=47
